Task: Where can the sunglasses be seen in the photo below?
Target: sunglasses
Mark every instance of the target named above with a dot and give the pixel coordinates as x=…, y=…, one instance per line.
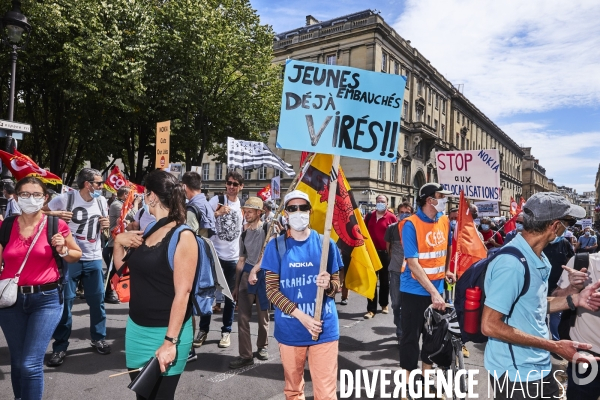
x=295, y=208
x=99, y=183
x=232, y=183
x=568, y=221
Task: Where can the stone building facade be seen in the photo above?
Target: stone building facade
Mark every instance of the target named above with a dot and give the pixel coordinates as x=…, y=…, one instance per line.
x=435, y=115
x=534, y=177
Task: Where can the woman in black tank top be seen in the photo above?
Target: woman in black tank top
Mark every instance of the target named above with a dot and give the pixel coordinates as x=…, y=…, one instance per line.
x=160, y=307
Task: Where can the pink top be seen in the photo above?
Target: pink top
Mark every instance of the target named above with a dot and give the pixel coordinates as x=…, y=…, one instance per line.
x=40, y=267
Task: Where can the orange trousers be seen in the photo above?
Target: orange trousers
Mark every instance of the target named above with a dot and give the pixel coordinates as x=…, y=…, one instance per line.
x=322, y=364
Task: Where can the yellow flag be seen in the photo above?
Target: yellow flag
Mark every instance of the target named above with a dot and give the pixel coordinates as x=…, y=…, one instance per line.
x=348, y=230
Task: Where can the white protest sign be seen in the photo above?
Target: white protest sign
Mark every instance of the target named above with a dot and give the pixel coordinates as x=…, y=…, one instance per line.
x=487, y=208
x=585, y=223
x=275, y=188
x=477, y=172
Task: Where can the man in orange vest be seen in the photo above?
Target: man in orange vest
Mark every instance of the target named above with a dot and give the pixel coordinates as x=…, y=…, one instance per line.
x=425, y=238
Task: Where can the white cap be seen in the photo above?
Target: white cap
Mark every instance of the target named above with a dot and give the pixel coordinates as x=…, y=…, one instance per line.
x=295, y=194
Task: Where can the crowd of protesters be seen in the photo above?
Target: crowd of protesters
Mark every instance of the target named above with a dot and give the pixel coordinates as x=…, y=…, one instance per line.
x=413, y=278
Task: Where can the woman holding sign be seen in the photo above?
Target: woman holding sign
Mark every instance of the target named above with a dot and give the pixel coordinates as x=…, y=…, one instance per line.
x=292, y=263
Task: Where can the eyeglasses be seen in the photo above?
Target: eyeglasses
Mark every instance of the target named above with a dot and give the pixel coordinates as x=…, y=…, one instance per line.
x=232, y=183
x=294, y=208
x=569, y=221
x=97, y=183
x=26, y=195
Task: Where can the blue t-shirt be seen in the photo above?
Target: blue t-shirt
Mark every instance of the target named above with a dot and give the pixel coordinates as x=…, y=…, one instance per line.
x=504, y=281
x=408, y=284
x=298, y=272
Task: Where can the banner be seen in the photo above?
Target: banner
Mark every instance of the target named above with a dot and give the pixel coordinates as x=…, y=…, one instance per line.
x=117, y=180
x=265, y=193
x=487, y=208
x=476, y=172
x=467, y=247
x=348, y=228
x=275, y=188
x=585, y=223
x=340, y=110
x=163, y=137
x=21, y=166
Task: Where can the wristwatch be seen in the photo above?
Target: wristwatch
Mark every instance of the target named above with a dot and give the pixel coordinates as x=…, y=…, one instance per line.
x=173, y=340
x=570, y=303
x=66, y=253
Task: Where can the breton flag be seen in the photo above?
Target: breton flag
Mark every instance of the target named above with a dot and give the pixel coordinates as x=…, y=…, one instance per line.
x=245, y=154
x=467, y=247
x=348, y=228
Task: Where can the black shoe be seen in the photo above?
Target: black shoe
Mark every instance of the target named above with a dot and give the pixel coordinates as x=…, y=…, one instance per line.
x=111, y=298
x=240, y=362
x=57, y=358
x=101, y=347
x=192, y=355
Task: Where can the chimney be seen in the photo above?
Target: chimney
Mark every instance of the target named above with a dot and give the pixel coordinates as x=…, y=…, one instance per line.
x=310, y=20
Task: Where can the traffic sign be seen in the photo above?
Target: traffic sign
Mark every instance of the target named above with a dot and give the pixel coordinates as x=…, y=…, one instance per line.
x=15, y=126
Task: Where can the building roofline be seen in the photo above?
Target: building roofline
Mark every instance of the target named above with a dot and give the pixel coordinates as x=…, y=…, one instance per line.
x=330, y=22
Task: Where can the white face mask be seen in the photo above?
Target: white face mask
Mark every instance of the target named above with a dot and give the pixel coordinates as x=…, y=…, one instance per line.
x=298, y=221
x=441, y=205
x=30, y=205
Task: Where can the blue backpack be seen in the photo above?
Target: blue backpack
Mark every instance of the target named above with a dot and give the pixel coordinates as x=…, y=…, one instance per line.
x=205, y=279
x=474, y=276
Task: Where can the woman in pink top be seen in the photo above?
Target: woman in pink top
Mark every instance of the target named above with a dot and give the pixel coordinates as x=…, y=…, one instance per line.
x=29, y=323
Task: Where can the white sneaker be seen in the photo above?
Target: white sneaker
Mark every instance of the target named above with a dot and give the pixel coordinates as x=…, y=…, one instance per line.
x=225, y=340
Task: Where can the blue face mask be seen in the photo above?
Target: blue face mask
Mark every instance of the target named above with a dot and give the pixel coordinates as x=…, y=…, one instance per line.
x=519, y=226
x=401, y=216
x=381, y=207
x=453, y=224
x=145, y=207
x=96, y=193
x=485, y=227
x=558, y=238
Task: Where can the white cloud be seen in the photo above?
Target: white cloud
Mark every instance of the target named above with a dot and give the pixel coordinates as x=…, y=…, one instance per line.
x=513, y=56
x=568, y=158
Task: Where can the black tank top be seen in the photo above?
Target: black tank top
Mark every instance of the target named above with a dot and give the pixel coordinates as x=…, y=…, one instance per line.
x=152, y=287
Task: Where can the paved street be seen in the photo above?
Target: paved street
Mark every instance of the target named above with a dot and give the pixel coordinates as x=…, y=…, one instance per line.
x=364, y=343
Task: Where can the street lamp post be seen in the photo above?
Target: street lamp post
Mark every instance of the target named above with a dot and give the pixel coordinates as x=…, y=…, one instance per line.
x=15, y=34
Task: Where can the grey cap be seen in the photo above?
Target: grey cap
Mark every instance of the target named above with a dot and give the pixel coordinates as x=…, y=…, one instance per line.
x=548, y=206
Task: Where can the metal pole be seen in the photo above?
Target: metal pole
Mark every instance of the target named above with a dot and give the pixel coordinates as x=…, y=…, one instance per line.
x=11, y=101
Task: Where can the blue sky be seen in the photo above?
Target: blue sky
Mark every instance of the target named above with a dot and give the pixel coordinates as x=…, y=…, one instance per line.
x=533, y=67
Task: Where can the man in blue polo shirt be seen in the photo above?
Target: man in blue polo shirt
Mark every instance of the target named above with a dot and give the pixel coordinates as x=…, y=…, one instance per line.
x=517, y=355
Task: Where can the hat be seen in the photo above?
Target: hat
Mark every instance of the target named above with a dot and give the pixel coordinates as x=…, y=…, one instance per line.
x=430, y=189
x=254, y=203
x=548, y=206
x=295, y=194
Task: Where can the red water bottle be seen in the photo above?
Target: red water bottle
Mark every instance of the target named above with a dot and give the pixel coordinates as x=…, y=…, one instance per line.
x=473, y=311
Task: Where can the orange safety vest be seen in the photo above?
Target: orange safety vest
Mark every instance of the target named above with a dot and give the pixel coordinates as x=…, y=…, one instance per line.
x=432, y=244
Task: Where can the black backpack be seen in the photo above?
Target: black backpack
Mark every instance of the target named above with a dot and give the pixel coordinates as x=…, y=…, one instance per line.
x=52, y=223
x=474, y=276
x=568, y=317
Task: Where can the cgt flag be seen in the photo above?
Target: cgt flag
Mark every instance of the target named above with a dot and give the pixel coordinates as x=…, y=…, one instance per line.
x=348, y=228
x=467, y=247
x=265, y=193
x=21, y=166
x=116, y=180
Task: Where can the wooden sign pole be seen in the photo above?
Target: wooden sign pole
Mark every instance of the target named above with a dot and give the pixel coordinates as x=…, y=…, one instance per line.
x=327, y=233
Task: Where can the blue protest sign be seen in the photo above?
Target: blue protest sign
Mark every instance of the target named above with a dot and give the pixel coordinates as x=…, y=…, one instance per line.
x=340, y=110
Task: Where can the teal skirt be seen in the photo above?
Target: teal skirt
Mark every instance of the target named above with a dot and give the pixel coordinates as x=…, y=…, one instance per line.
x=141, y=343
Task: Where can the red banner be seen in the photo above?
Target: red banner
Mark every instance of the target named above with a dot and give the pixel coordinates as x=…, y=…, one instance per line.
x=21, y=166
x=127, y=206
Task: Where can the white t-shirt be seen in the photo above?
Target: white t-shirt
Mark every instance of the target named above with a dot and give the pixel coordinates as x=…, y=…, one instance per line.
x=229, y=229
x=84, y=224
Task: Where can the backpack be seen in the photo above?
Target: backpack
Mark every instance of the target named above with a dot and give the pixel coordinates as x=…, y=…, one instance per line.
x=568, y=317
x=204, y=285
x=437, y=338
x=52, y=225
x=197, y=212
x=474, y=276
x=71, y=200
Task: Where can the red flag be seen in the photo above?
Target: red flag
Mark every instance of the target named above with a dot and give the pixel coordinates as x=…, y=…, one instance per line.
x=21, y=166
x=467, y=247
x=513, y=206
x=127, y=205
x=115, y=180
x=265, y=193
x=303, y=157
x=511, y=224
x=521, y=205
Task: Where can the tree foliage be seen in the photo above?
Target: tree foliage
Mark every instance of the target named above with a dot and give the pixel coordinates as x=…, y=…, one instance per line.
x=98, y=74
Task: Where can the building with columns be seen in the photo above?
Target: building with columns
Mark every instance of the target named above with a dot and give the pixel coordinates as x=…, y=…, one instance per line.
x=436, y=116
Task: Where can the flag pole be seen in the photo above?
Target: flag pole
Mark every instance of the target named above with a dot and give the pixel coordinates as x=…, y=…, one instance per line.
x=333, y=181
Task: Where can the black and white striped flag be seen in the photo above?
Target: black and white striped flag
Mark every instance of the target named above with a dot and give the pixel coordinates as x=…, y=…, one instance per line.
x=245, y=154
